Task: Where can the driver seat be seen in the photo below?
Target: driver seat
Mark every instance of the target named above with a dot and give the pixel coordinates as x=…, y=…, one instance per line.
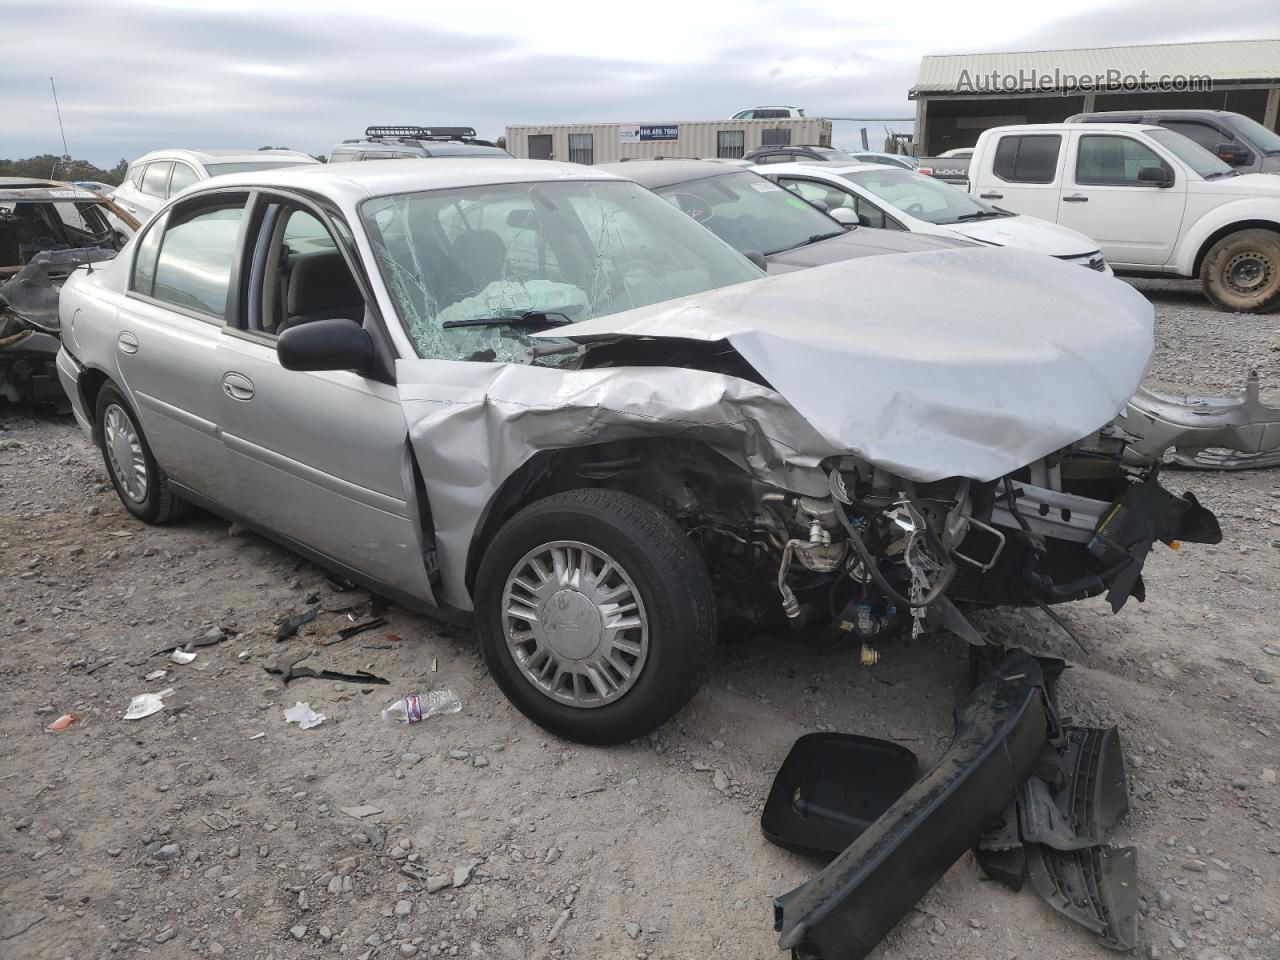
x=321, y=288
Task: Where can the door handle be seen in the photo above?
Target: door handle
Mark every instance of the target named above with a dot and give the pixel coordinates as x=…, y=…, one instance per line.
x=1075, y=198
x=237, y=386
x=991, y=196
x=127, y=342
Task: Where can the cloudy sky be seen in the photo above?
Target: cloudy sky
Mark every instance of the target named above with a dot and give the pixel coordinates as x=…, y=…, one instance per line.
x=134, y=76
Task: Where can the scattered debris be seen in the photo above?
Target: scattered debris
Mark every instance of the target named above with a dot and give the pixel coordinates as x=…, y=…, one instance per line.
x=302, y=714
x=288, y=670
x=156, y=675
x=210, y=637
x=361, y=811
x=145, y=704
x=182, y=657
x=288, y=626
x=61, y=723
x=346, y=633
x=414, y=707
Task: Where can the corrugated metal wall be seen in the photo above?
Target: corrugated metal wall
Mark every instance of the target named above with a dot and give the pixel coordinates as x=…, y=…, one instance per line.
x=697, y=139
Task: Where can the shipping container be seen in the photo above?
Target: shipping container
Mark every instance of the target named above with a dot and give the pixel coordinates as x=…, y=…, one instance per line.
x=696, y=139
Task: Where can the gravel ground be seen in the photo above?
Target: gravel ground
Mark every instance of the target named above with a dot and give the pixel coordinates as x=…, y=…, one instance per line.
x=213, y=828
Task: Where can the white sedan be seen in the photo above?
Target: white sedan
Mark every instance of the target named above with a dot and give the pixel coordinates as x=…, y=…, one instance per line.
x=874, y=195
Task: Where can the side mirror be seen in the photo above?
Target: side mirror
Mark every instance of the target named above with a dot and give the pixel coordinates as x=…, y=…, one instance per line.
x=844, y=215
x=756, y=257
x=1233, y=154
x=325, y=345
x=1156, y=176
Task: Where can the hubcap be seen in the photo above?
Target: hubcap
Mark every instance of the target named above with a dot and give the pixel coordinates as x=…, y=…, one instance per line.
x=575, y=624
x=1248, y=273
x=124, y=453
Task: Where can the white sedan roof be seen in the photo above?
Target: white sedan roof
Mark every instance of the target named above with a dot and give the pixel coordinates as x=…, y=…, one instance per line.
x=228, y=156
x=823, y=171
x=353, y=182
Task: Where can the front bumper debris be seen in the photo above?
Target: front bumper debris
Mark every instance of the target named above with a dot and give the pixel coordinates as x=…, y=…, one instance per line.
x=1207, y=433
x=1010, y=758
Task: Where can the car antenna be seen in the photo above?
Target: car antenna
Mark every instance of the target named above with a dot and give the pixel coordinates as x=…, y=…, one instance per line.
x=57, y=109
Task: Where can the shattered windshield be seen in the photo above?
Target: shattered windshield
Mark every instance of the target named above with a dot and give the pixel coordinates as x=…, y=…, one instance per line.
x=749, y=212
x=923, y=197
x=571, y=249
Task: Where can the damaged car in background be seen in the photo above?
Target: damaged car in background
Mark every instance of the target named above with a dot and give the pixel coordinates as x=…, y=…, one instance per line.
x=542, y=395
x=47, y=230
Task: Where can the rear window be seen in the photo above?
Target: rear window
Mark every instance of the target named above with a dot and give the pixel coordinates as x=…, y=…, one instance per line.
x=1028, y=158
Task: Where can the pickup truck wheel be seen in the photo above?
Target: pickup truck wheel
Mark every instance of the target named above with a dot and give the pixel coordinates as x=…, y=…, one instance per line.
x=595, y=614
x=140, y=484
x=1242, y=271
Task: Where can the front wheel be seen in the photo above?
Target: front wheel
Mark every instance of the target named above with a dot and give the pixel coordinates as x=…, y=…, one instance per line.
x=1242, y=271
x=595, y=614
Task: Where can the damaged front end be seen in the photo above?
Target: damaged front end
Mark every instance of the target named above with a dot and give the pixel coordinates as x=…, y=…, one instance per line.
x=29, y=328
x=1205, y=433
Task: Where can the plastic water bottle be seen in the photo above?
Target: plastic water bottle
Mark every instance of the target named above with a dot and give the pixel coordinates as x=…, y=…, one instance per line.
x=414, y=707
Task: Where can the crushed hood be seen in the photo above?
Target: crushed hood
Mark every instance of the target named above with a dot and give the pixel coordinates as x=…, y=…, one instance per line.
x=860, y=242
x=967, y=362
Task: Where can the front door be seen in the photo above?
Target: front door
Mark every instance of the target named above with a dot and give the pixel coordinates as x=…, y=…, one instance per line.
x=539, y=146
x=321, y=458
x=1105, y=196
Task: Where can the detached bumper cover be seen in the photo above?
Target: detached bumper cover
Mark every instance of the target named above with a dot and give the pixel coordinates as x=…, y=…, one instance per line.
x=1001, y=731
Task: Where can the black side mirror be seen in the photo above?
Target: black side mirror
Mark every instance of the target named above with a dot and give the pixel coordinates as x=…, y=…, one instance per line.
x=1156, y=176
x=1233, y=154
x=326, y=345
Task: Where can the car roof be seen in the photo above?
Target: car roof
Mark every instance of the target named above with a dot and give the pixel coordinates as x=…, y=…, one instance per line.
x=825, y=169
x=354, y=182
x=34, y=189
x=1157, y=111
x=1059, y=127
x=226, y=156
x=654, y=174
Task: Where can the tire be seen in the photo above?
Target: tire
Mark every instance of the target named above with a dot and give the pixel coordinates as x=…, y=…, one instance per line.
x=651, y=559
x=146, y=493
x=1242, y=271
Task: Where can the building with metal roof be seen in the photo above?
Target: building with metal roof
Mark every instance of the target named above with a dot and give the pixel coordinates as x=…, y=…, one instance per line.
x=959, y=96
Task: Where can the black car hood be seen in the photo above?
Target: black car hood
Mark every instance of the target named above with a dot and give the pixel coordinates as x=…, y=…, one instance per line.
x=862, y=242
x=32, y=292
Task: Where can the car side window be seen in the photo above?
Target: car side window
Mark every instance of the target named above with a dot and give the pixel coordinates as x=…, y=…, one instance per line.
x=299, y=275
x=144, y=261
x=155, y=181
x=1113, y=160
x=197, y=252
x=1027, y=158
x=183, y=176
x=1201, y=133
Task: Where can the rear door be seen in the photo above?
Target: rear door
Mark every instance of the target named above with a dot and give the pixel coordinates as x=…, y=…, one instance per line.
x=319, y=457
x=170, y=325
x=1020, y=172
x=1133, y=221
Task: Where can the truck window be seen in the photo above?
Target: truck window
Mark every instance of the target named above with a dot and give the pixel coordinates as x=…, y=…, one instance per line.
x=1027, y=158
x=1201, y=133
x=1113, y=160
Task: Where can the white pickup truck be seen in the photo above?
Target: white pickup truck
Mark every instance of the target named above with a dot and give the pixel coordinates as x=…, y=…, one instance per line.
x=1155, y=202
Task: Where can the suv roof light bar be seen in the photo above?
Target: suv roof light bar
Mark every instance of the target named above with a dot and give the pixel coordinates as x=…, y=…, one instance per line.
x=420, y=133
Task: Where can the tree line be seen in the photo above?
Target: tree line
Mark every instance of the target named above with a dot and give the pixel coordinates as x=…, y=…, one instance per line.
x=48, y=166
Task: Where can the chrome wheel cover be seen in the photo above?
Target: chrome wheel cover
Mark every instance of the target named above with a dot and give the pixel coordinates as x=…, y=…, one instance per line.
x=575, y=624
x=124, y=453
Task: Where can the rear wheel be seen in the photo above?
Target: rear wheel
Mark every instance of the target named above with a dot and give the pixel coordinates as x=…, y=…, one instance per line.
x=595, y=615
x=1242, y=271
x=140, y=484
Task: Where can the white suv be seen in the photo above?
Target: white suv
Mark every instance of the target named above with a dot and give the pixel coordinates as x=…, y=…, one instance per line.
x=161, y=174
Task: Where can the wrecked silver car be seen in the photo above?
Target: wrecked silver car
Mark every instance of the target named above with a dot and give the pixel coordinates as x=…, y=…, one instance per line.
x=47, y=229
x=542, y=395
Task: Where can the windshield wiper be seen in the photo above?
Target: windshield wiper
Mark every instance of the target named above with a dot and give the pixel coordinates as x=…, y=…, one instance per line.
x=529, y=318
x=978, y=215
x=816, y=238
